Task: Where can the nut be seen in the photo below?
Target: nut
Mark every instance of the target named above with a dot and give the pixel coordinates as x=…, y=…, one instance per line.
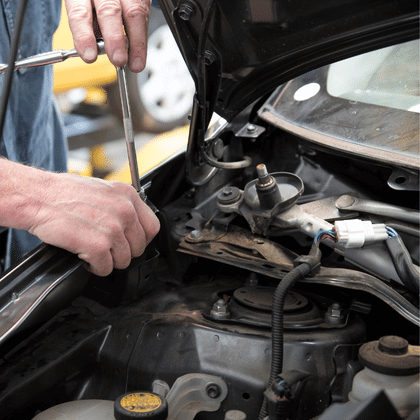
x=335, y=310
x=213, y=390
x=220, y=307
x=220, y=310
x=186, y=12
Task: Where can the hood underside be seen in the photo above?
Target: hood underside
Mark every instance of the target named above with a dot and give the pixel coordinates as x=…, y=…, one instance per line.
x=250, y=47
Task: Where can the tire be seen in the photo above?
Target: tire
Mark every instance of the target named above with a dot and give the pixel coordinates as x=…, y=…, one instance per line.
x=161, y=95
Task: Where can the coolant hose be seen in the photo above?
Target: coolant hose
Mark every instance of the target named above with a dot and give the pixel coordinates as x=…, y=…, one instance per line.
x=277, y=323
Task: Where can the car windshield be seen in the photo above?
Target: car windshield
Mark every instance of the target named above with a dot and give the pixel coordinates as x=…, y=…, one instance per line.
x=387, y=77
x=367, y=105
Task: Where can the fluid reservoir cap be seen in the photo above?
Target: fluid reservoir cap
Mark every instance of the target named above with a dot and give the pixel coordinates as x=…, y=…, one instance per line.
x=392, y=344
x=390, y=356
x=139, y=405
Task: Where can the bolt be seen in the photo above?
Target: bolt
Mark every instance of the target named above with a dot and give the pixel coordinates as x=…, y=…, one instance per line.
x=335, y=310
x=229, y=195
x=160, y=387
x=252, y=279
x=213, y=390
x=209, y=58
x=195, y=234
x=220, y=307
x=220, y=311
x=186, y=12
x=227, y=191
x=251, y=128
x=345, y=201
x=189, y=195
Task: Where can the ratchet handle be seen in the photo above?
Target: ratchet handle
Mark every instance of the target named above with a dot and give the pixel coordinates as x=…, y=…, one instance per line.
x=49, y=57
x=129, y=138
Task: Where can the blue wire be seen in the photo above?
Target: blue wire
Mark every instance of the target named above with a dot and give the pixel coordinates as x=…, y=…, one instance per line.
x=392, y=233
x=323, y=232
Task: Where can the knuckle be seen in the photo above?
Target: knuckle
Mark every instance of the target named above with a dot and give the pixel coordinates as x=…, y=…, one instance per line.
x=137, y=10
x=153, y=228
x=128, y=213
x=123, y=262
x=79, y=13
x=114, y=230
x=108, y=8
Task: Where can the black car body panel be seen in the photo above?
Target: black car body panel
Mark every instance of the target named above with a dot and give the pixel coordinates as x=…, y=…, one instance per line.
x=254, y=301
x=255, y=46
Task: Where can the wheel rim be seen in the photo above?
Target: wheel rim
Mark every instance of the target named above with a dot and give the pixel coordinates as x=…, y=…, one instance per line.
x=165, y=86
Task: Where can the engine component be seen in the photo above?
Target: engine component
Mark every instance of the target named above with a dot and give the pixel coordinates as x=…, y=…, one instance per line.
x=408, y=272
x=267, y=196
x=193, y=393
x=284, y=395
x=391, y=356
x=378, y=404
x=235, y=415
x=138, y=405
x=391, y=367
x=76, y=410
x=267, y=189
x=304, y=266
x=357, y=233
x=351, y=203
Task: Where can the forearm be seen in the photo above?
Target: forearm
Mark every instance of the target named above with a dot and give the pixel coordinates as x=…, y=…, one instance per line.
x=20, y=193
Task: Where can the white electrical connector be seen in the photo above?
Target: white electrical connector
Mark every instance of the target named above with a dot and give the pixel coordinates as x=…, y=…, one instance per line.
x=356, y=233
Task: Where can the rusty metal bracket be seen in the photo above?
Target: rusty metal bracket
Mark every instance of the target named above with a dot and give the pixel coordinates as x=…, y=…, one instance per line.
x=240, y=248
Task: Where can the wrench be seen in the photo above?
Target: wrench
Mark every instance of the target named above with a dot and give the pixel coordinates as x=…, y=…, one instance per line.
x=50, y=57
x=129, y=133
x=129, y=138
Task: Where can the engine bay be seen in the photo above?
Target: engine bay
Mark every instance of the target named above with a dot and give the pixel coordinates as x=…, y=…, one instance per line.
x=193, y=316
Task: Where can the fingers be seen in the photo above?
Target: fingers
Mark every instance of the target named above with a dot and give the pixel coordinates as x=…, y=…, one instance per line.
x=80, y=17
x=113, y=17
x=105, y=223
x=149, y=221
x=124, y=244
x=136, y=21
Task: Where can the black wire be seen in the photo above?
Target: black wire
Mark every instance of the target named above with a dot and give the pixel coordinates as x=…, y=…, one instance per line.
x=277, y=325
x=8, y=77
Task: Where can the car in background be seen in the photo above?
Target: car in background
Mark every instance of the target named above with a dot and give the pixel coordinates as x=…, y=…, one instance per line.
x=160, y=96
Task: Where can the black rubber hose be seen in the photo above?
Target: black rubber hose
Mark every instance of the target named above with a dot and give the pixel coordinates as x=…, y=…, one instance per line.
x=8, y=77
x=408, y=272
x=277, y=324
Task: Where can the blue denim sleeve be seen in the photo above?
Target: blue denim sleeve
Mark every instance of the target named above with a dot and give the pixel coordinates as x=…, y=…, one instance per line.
x=33, y=133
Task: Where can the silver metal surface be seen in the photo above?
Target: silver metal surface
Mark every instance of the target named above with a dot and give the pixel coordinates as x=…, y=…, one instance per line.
x=31, y=287
x=251, y=131
x=351, y=203
x=356, y=280
x=188, y=395
x=50, y=57
x=129, y=133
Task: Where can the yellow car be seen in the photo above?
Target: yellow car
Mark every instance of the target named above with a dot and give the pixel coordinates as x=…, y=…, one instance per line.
x=161, y=96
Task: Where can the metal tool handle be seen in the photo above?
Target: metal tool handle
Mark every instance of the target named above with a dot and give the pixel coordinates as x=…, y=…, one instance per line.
x=129, y=133
x=50, y=57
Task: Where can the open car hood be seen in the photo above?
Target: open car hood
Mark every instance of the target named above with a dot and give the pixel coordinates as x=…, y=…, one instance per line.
x=252, y=46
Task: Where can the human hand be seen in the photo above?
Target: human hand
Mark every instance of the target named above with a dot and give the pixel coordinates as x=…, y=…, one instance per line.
x=105, y=223
x=88, y=18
